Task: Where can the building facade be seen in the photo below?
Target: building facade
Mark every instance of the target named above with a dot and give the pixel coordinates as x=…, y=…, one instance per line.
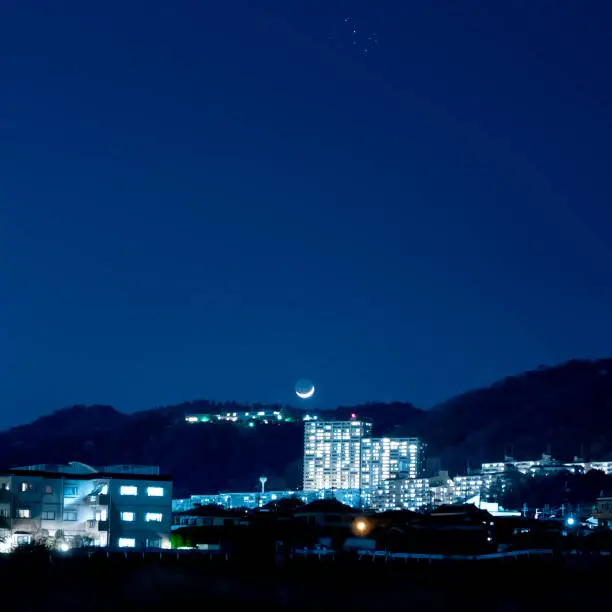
x=333, y=454
x=384, y=459
x=81, y=506
x=546, y=466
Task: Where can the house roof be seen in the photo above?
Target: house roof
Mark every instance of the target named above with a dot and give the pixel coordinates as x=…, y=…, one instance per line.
x=398, y=515
x=84, y=476
x=325, y=506
x=458, y=510
x=210, y=511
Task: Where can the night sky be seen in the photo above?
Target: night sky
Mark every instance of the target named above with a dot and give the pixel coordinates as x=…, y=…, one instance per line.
x=400, y=200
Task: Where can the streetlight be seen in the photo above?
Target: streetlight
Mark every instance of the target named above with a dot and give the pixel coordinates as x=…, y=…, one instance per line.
x=361, y=526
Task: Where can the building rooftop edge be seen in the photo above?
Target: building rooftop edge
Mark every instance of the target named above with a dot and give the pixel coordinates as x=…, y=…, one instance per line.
x=84, y=476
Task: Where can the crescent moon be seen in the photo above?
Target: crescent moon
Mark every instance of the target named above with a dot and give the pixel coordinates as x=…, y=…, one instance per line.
x=306, y=394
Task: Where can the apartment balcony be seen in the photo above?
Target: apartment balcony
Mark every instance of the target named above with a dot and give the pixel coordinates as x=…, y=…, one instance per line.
x=98, y=525
x=96, y=500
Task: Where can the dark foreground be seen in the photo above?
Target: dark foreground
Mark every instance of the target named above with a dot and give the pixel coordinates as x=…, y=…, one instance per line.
x=113, y=585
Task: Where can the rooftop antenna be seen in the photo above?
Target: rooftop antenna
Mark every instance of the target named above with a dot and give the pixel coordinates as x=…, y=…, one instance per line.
x=263, y=480
x=548, y=454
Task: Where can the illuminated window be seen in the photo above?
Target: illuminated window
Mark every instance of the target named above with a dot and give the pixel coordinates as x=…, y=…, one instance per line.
x=70, y=516
x=128, y=490
x=127, y=542
x=24, y=513
x=25, y=487
x=104, y=490
x=155, y=491
x=71, y=491
x=128, y=516
x=153, y=517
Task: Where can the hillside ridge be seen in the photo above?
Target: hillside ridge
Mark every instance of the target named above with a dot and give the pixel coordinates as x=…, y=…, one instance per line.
x=565, y=408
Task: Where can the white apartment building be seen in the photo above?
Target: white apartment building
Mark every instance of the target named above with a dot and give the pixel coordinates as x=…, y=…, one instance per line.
x=333, y=454
x=384, y=459
x=466, y=487
x=117, y=507
x=404, y=493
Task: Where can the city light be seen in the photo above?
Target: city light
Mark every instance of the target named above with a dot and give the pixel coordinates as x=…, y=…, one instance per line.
x=361, y=526
x=571, y=521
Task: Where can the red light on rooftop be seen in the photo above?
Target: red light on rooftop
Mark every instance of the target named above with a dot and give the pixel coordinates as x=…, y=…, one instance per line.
x=353, y=415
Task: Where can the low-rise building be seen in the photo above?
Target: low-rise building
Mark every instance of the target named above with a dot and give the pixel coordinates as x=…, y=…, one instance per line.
x=603, y=511
x=546, y=465
x=384, y=459
x=78, y=505
x=252, y=500
x=326, y=513
x=208, y=516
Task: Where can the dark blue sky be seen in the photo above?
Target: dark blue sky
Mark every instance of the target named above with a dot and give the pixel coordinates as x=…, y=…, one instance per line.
x=204, y=199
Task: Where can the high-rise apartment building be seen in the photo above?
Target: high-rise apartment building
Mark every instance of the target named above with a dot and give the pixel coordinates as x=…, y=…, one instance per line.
x=384, y=459
x=333, y=454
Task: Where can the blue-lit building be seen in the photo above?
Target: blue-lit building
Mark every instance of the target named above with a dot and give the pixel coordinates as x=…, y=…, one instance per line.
x=252, y=500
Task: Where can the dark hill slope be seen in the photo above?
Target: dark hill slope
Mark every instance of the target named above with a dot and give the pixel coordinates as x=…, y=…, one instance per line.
x=566, y=407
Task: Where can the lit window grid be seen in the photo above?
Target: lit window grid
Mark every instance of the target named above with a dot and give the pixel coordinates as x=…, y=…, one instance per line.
x=333, y=454
x=385, y=458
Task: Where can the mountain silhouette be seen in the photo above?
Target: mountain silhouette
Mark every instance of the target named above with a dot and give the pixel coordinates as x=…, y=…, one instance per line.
x=566, y=409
